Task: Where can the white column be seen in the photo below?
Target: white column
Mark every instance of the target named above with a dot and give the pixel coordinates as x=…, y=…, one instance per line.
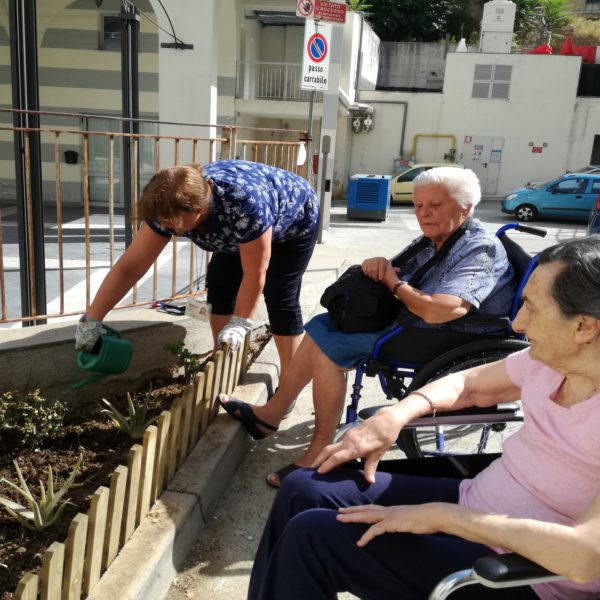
x=329, y=120
x=187, y=79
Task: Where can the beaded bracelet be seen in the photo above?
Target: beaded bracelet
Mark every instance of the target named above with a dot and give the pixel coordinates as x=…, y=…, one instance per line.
x=428, y=399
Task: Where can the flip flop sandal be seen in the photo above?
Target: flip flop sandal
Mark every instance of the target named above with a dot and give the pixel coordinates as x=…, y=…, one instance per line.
x=242, y=412
x=276, y=478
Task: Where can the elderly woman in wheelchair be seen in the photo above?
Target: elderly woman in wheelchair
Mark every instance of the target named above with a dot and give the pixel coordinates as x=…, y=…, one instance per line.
x=456, y=267
x=391, y=535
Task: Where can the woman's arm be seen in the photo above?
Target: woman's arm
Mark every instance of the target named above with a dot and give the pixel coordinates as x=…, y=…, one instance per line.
x=485, y=385
x=569, y=550
x=135, y=261
x=255, y=257
x=434, y=308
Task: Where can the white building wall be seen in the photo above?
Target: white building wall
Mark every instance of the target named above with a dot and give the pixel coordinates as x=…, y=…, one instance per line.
x=540, y=110
x=230, y=32
x=294, y=40
x=412, y=65
x=350, y=45
x=188, y=78
x=586, y=125
x=369, y=59
x=536, y=112
x=375, y=152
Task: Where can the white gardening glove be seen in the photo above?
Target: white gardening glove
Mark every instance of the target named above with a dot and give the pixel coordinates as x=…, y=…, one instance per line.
x=234, y=332
x=88, y=332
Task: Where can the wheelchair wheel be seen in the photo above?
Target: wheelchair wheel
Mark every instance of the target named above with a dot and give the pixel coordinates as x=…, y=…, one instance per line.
x=468, y=438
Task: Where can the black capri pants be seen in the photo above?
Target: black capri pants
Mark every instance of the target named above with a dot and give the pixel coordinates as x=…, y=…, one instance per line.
x=288, y=263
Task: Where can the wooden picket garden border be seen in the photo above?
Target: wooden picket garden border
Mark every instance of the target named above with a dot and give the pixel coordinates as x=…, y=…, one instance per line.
x=71, y=570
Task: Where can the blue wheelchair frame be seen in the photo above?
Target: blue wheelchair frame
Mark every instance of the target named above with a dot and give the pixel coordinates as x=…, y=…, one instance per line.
x=392, y=373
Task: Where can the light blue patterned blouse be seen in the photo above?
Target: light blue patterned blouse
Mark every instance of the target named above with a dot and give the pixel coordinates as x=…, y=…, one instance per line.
x=476, y=269
x=248, y=198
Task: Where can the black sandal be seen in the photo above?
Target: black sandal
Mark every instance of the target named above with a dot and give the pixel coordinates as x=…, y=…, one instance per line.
x=243, y=412
x=281, y=475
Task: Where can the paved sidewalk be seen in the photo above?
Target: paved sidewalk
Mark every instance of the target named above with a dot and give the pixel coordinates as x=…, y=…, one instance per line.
x=219, y=565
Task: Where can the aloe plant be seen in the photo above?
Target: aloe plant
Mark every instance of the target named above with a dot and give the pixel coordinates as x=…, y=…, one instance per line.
x=135, y=423
x=40, y=514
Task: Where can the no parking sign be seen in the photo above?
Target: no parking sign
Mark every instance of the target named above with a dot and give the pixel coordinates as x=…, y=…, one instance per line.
x=315, y=61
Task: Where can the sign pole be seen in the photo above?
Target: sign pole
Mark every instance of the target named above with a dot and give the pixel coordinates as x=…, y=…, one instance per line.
x=311, y=105
x=325, y=148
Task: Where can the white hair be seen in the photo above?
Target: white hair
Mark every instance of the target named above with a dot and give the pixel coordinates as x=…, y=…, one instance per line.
x=462, y=184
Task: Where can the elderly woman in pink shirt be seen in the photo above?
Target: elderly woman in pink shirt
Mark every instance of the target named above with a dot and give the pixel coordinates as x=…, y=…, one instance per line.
x=395, y=536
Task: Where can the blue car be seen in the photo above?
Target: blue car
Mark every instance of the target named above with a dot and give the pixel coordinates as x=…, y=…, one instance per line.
x=572, y=196
x=594, y=222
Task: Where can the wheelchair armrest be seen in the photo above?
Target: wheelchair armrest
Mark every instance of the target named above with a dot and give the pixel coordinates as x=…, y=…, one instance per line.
x=504, y=410
x=507, y=570
x=496, y=571
x=472, y=318
x=482, y=320
x=406, y=319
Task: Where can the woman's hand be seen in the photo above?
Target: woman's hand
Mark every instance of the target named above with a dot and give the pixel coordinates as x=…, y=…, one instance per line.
x=419, y=519
x=234, y=333
x=375, y=268
x=87, y=333
x=370, y=440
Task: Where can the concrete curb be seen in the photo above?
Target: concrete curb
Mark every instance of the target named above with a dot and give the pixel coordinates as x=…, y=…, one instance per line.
x=146, y=566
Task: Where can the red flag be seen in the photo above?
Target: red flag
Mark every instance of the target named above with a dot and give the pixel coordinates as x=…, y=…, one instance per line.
x=567, y=47
x=541, y=49
x=587, y=53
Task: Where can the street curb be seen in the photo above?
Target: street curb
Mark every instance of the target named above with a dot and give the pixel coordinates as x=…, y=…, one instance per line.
x=147, y=564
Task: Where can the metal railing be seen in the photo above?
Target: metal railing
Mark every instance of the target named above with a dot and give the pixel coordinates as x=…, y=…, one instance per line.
x=271, y=81
x=84, y=238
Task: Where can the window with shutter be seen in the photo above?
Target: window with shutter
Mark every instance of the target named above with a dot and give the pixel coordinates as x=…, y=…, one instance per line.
x=492, y=81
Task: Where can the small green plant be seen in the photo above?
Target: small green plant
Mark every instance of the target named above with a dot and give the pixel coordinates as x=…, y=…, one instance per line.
x=191, y=365
x=28, y=419
x=135, y=423
x=40, y=514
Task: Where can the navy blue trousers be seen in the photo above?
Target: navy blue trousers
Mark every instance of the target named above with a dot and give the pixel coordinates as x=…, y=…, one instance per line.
x=306, y=554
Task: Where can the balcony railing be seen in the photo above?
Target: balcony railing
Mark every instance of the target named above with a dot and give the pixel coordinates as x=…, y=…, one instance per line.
x=271, y=81
x=84, y=235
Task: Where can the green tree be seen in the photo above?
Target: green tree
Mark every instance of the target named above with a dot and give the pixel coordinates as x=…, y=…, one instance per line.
x=408, y=20
x=359, y=6
x=431, y=20
x=535, y=20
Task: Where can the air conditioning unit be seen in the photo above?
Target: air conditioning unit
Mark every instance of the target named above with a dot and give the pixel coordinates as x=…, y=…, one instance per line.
x=369, y=196
x=497, y=26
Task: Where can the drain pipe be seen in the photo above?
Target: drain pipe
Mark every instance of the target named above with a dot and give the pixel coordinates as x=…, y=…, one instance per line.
x=403, y=103
x=360, y=60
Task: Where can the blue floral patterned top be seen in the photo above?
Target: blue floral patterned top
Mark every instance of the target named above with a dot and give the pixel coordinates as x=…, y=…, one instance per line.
x=248, y=198
x=476, y=269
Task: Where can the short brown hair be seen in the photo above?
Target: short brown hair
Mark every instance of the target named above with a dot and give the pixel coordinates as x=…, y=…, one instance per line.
x=173, y=191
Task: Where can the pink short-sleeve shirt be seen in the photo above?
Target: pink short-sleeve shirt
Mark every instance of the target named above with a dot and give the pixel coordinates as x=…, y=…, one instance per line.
x=549, y=469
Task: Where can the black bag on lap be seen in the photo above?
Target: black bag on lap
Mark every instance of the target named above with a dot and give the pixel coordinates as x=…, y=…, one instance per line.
x=358, y=304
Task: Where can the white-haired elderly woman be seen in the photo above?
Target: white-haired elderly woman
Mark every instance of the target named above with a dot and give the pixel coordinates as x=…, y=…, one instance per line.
x=474, y=275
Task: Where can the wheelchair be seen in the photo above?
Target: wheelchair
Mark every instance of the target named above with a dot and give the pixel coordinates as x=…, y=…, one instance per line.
x=406, y=358
x=495, y=570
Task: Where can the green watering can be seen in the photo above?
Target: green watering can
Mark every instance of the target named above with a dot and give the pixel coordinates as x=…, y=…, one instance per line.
x=111, y=355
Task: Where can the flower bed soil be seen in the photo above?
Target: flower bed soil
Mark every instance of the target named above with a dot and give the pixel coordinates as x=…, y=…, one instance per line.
x=103, y=446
